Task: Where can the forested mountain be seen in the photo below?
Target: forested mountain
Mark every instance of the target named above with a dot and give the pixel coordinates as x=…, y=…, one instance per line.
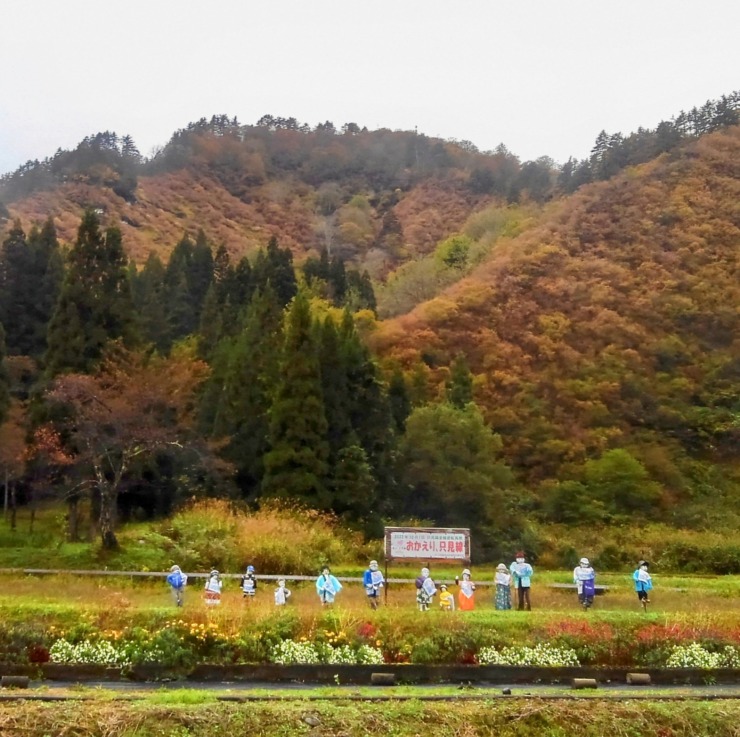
x=378, y=324
x=612, y=324
x=375, y=198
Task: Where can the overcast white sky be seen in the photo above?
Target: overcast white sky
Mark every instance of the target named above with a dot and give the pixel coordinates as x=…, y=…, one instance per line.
x=542, y=76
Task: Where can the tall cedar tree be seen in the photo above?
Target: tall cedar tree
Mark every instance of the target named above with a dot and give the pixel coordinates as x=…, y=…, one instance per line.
x=369, y=410
x=31, y=273
x=275, y=265
x=94, y=305
x=399, y=400
x=187, y=278
x=148, y=287
x=246, y=388
x=296, y=465
x=351, y=480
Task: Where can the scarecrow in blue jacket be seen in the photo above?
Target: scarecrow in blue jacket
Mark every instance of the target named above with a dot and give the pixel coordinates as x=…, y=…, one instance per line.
x=643, y=581
x=327, y=587
x=373, y=581
x=177, y=581
x=521, y=573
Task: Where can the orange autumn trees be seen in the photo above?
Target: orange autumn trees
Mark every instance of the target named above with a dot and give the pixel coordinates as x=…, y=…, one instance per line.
x=613, y=324
x=132, y=406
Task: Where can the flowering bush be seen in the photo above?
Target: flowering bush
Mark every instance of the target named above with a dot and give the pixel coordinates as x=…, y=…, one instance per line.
x=542, y=655
x=696, y=656
x=290, y=652
x=368, y=655
x=87, y=652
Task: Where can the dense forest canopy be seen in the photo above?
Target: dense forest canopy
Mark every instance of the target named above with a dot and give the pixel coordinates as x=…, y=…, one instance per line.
x=377, y=324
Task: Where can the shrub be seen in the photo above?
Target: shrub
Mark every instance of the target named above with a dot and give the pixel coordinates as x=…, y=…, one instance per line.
x=290, y=652
x=542, y=655
x=277, y=538
x=21, y=644
x=88, y=652
x=696, y=656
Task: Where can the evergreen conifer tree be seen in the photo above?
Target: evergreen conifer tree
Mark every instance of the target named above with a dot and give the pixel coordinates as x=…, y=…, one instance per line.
x=49, y=263
x=335, y=389
x=296, y=464
x=16, y=289
x=369, y=410
x=246, y=387
x=353, y=485
x=188, y=276
x=148, y=287
x=94, y=305
x=400, y=402
x=276, y=266
x=31, y=271
x=459, y=386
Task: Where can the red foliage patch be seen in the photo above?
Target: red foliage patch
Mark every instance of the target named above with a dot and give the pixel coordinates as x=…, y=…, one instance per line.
x=367, y=631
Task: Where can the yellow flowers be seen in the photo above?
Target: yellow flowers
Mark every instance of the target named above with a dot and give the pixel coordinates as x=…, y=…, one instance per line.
x=335, y=638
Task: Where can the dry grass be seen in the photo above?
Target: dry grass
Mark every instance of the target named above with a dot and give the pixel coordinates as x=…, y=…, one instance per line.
x=588, y=718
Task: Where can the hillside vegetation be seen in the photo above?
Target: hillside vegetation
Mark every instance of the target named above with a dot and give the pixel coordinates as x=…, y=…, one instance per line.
x=437, y=335
x=613, y=324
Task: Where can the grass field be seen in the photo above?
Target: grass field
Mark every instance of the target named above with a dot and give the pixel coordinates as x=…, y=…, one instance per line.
x=192, y=715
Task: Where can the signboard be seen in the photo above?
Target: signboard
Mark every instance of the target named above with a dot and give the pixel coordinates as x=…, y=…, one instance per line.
x=428, y=543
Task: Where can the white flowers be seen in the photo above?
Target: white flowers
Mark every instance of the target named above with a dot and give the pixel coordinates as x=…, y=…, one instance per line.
x=87, y=652
x=290, y=652
x=541, y=655
x=696, y=656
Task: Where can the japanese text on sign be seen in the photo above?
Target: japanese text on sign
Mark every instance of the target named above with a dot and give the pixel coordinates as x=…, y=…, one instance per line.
x=427, y=543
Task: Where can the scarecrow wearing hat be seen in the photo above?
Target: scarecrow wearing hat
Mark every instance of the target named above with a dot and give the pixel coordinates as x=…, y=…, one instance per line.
x=446, y=599
x=584, y=578
x=466, y=594
x=249, y=584
x=425, y=590
x=502, y=579
x=213, y=588
x=327, y=587
x=282, y=594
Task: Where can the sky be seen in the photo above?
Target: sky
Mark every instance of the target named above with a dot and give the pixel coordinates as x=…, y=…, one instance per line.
x=541, y=76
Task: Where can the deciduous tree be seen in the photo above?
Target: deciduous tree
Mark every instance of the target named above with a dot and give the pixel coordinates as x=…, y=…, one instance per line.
x=132, y=407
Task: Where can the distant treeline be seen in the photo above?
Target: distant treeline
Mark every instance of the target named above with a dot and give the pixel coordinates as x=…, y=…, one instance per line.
x=243, y=156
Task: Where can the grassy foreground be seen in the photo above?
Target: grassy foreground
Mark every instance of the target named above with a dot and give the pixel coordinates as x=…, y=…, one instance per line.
x=588, y=718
